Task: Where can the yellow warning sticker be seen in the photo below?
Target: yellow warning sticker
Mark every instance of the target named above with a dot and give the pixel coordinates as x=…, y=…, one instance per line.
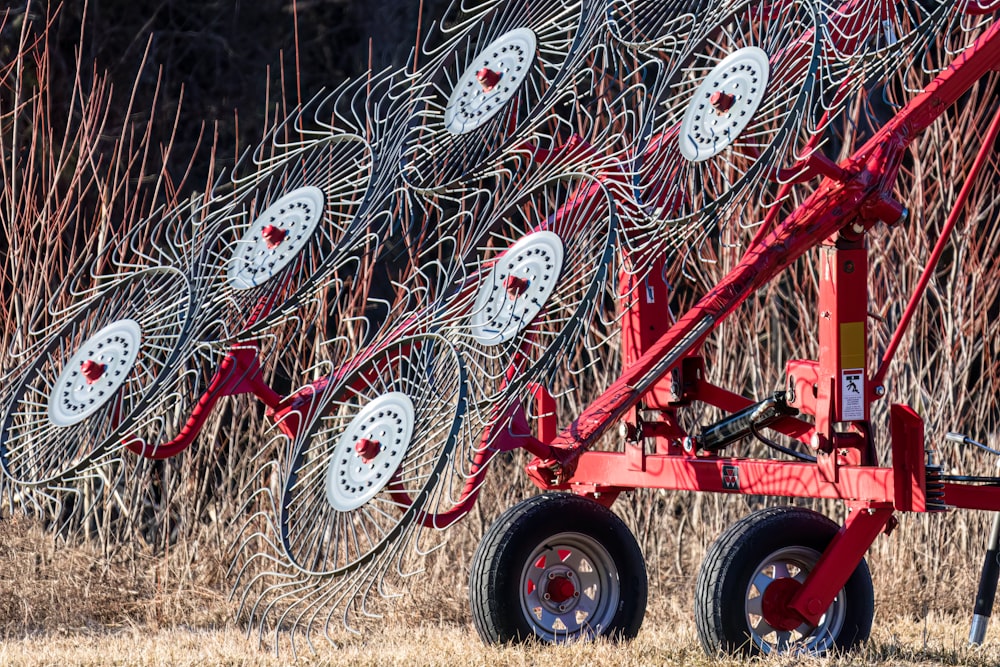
x=852, y=345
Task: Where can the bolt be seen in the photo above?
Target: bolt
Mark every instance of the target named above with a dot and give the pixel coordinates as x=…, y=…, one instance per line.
x=880, y=390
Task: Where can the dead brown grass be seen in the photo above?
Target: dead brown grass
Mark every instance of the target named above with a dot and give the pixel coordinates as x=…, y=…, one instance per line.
x=66, y=604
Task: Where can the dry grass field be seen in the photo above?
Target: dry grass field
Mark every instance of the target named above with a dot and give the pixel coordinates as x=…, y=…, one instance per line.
x=62, y=604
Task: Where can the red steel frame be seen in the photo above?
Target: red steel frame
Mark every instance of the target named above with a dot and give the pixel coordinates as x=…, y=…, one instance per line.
x=836, y=389
x=663, y=371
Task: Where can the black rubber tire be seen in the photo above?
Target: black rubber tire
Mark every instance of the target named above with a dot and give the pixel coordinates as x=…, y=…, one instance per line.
x=723, y=587
x=506, y=556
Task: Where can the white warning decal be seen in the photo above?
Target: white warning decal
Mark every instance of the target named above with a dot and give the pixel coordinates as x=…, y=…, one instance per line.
x=852, y=395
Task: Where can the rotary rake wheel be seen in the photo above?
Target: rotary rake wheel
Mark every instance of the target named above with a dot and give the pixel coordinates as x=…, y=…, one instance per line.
x=346, y=498
x=282, y=235
x=99, y=381
x=528, y=285
x=728, y=115
x=490, y=86
x=362, y=469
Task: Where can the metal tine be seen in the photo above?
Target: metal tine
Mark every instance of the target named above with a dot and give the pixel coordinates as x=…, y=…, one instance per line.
x=460, y=126
x=280, y=591
x=328, y=167
x=875, y=39
x=107, y=500
x=174, y=236
x=362, y=106
x=322, y=212
x=307, y=607
x=790, y=145
x=650, y=25
x=956, y=29
x=882, y=55
x=148, y=312
x=486, y=222
x=451, y=303
x=687, y=176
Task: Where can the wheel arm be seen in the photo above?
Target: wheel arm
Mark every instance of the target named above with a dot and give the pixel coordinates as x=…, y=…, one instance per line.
x=838, y=562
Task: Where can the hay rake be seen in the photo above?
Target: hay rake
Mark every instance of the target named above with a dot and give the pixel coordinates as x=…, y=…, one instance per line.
x=554, y=165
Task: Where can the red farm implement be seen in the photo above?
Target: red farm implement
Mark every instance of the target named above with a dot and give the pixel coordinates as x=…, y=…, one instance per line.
x=535, y=175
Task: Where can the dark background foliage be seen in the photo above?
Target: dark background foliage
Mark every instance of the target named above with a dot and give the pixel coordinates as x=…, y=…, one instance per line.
x=219, y=61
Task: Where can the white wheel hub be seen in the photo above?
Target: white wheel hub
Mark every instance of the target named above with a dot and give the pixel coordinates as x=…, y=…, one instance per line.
x=724, y=104
x=276, y=237
x=490, y=81
x=369, y=451
x=95, y=372
x=516, y=288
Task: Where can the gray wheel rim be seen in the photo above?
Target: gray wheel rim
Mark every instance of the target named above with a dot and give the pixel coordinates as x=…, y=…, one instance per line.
x=569, y=588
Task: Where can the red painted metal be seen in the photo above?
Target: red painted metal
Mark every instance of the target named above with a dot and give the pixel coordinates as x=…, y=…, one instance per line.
x=273, y=236
x=92, y=370
x=238, y=373
x=663, y=371
x=545, y=412
x=843, y=312
x=838, y=562
x=855, y=204
x=488, y=79
x=607, y=471
x=646, y=316
x=515, y=286
x=367, y=449
x=774, y=604
x=721, y=102
x=972, y=496
x=910, y=484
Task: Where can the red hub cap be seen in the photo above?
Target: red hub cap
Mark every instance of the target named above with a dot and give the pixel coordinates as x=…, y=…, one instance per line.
x=273, y=236
x=777, y=613
x=92, y=371
x=367, y=449
x=515, y=286
x=721, y=101
x=487, y=78
x=560, y=589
